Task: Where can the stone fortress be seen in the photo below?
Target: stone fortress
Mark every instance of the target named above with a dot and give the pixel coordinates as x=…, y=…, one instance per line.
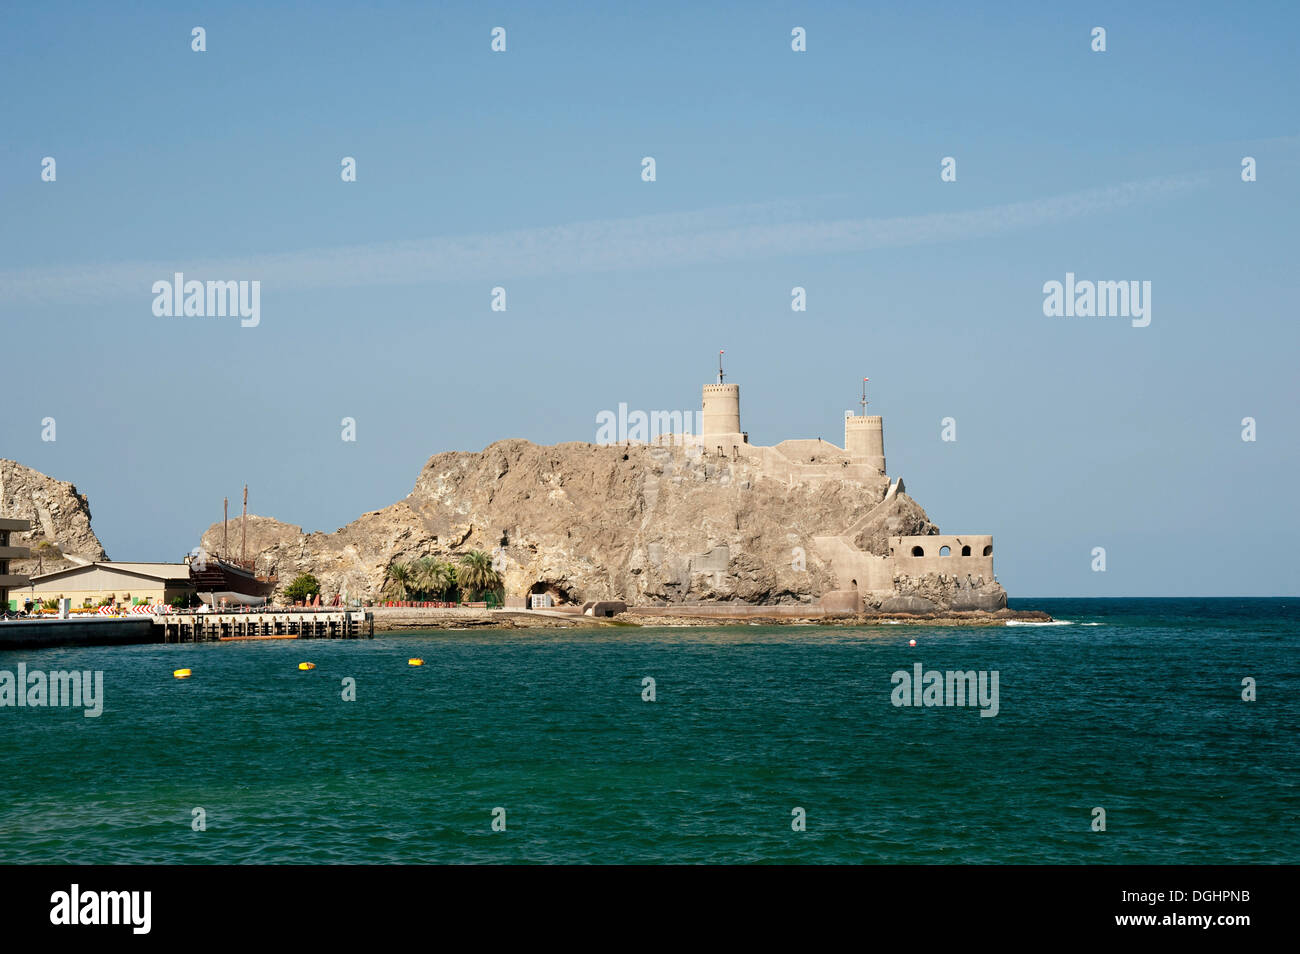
x=953, y=572
x=704, y=524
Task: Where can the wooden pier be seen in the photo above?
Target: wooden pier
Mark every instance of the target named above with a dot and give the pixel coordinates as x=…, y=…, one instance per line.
x=200, y=627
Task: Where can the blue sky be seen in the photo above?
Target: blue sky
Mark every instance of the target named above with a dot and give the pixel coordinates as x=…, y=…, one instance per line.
x=774, y=169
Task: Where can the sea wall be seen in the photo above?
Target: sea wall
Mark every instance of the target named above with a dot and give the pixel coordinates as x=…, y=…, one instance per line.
x=45, y=633
x=733, y=611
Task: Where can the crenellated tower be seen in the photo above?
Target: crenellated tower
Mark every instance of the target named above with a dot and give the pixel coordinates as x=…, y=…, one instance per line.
x=864, y=436
x=720, y=420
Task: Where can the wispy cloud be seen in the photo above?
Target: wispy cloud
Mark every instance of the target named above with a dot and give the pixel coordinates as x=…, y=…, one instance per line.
x=639, y=243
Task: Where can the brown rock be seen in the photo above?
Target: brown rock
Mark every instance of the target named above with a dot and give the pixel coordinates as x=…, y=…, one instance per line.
x=589, y=522
x=61, y=535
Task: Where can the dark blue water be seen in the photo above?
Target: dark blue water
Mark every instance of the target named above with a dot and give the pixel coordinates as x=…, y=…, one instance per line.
x=1134, y=706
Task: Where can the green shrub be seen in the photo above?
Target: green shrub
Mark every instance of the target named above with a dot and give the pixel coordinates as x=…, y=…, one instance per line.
x=303, y=586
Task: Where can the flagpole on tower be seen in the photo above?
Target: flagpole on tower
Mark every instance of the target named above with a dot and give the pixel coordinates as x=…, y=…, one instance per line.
x=864, y=396
x=720, y=354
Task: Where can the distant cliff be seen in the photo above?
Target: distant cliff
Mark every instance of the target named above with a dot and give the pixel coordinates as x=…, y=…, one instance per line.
x=61, y=535
x=583, y=521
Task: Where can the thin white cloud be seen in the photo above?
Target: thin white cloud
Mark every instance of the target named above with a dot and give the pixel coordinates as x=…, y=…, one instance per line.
x=645, y=242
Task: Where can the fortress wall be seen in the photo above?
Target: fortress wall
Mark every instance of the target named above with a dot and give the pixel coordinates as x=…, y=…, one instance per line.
x=854, y=568
x=733, y=445
x=978, y=564
x=787, y=461
x=775, y=463
x=801, y=450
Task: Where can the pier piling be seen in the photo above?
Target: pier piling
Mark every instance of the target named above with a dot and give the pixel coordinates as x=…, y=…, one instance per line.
x=203, y=627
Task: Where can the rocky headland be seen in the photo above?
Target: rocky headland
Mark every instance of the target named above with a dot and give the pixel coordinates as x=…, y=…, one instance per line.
x=60, y=517
x=682, y=537
x=647, y=525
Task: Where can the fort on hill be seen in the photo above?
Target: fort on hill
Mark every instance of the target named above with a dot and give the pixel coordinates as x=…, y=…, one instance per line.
x=678, y=520
x=952, y=572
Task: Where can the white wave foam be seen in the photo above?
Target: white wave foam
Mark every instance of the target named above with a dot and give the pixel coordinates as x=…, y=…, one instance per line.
x=1029, y=622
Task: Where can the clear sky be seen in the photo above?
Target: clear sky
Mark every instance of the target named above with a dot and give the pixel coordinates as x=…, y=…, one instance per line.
x=774, y=169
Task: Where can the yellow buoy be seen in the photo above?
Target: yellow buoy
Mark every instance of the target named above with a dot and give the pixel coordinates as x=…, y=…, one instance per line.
x=415, y=661
x=182, y=674
x=306, y=666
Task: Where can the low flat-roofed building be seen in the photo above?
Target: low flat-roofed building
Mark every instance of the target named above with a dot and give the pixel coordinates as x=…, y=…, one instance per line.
x=120, y=583
x=11, y=581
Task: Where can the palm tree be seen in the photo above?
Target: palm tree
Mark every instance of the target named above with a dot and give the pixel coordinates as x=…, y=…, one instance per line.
x=475, y=574
x=445, y=584
x=428, y=576
x=397, y=584
x=419, y=568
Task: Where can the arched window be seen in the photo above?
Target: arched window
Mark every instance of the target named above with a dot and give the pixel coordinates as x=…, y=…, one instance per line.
x=988, y=550
x=917, y=551
x=965, y=551
x=945, y=551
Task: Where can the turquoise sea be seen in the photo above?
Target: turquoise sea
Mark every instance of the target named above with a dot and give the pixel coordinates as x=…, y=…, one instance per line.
x=1134, y=706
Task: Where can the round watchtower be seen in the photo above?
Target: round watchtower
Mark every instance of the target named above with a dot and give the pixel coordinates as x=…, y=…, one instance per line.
x=864, y=439
x=721, y=409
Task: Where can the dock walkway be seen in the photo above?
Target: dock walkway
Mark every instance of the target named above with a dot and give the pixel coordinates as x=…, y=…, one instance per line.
x=200, y=627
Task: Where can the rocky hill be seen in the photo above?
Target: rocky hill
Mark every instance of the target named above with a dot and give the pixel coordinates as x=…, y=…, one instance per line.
x=61, y=535
x=644, y=524
x=582, y=521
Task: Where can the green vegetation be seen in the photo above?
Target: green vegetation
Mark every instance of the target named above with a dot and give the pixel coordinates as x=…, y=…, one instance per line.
x=303, y=587
x=398, y=580
x=428, y=578
x=477, y=578
x=435, y=579
x=425, y=578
